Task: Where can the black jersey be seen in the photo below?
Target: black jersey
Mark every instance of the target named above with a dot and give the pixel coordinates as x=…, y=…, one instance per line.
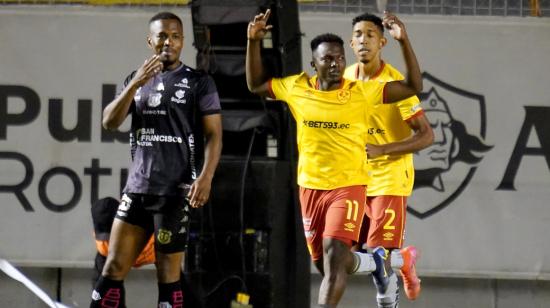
x=166, y=136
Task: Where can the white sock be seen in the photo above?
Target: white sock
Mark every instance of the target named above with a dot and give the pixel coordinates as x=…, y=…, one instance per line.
x=396, y=259
x=364, y=262
x=391, y=297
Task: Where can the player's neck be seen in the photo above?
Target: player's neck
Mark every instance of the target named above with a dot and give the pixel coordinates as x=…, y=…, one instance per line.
x=369, y=70
x=328, y=85
x=172, y=66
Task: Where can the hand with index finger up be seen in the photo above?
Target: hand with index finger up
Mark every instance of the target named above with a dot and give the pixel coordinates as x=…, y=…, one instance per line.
x=258, y=27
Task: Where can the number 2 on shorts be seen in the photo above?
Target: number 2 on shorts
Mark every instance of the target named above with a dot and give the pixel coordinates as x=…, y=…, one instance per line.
x=388, y=225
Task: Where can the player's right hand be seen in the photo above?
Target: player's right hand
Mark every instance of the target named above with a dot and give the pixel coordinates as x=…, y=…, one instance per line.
x=374, y=150
x=148, y=69
x=258, y=27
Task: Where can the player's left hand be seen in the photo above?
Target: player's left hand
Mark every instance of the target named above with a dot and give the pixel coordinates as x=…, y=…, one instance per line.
x=395, y=26
x=374, y=150
x=199, y=192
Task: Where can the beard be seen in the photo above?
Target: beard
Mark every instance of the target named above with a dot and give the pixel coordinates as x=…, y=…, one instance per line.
x=167, y=62
x=365, y=59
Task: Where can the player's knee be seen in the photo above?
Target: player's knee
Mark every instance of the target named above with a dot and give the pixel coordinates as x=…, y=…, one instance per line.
x=335, y=248
x=116, y=269
x=336, y=253
x=319, y=265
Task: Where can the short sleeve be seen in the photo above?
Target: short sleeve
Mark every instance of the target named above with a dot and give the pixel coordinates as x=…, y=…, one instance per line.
x=124, y=84
x=207, y=94
x=280, y=88
x=409, y=107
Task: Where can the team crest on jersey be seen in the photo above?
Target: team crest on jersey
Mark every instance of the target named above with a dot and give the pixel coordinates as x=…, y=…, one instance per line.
x=164, y=236
x=444, y=170
x=154, y=100
x=343, y=95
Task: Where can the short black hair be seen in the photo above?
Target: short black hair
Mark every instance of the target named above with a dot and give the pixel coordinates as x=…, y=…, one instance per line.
x=165, y=15
x=325, y=38
x=369, y=17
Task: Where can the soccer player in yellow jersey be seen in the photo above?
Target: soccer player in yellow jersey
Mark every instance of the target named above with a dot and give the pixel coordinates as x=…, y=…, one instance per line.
x=331, y=114
x=395, y=132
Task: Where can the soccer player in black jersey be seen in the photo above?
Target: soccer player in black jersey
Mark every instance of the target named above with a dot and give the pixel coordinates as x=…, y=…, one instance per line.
x=175, y=142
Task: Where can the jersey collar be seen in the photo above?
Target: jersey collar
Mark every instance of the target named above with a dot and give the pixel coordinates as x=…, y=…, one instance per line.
x=373, y=77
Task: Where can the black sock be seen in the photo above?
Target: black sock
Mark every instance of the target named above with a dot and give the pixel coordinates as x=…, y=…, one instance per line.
x=108, y=293
x=170, y=293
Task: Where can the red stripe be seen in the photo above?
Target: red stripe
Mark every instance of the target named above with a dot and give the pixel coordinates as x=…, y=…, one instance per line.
x=377, y=74
x=270, y=88
x=416, y=115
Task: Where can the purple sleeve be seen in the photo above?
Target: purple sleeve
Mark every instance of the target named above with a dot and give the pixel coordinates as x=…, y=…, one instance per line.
x=209, y=102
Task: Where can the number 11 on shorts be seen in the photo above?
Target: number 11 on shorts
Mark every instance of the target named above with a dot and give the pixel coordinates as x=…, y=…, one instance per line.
x=353, y=208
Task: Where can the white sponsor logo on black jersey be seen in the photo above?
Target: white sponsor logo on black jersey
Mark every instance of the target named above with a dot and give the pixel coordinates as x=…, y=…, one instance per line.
x=179, y=97
x=183, y=84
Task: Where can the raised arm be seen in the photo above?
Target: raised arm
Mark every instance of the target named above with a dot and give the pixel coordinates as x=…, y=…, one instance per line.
x=117, y=110
x=412, y=85
x=255, y=77
x=422, y=138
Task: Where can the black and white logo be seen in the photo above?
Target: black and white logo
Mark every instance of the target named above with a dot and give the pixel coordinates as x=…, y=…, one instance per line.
x=443, y=170
x=179, y=99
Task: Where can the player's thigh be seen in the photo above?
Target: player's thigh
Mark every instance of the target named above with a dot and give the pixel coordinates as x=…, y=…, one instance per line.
x=125, y=243
x=171, y=224
x=131, y=229
x=387, y=221
x=313, y=212
x=345, y=214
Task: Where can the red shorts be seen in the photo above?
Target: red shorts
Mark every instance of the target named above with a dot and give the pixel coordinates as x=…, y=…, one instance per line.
x=384, y=221
x=333, y=213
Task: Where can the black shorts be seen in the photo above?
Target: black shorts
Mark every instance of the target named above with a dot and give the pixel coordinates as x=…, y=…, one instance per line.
x=166, y=216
